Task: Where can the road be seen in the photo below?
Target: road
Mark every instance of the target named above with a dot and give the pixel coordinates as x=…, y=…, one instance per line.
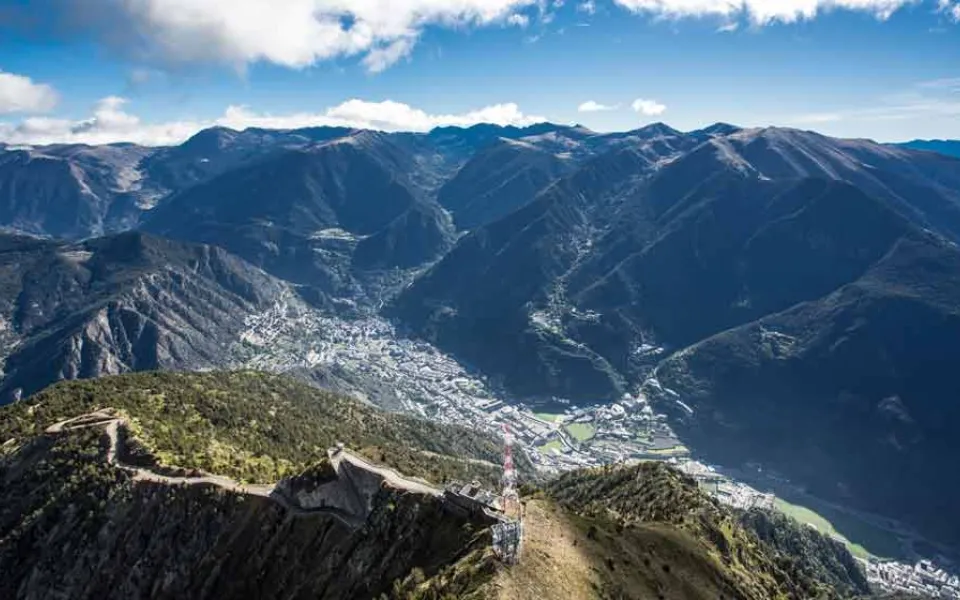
x=111, y=424
x=390, y=477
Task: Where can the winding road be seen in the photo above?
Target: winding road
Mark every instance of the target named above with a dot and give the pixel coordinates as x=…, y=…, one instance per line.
x=111, y=423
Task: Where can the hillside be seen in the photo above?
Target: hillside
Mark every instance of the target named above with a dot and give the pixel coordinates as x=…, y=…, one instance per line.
x=627, y=252
x=948, y=147
x=499, y=179
x=129, y=302
x=645, y=532
x=252, y=426
x=150, y=530
x=849, y=394
x=314, y=215
x=694, y=547
x=74, y=191
x=158, y=485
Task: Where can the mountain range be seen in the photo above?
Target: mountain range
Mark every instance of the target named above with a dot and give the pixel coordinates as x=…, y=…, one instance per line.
x=948, y=147
x=796, y=293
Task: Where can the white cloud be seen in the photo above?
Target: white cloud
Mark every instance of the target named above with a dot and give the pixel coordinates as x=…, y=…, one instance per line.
x=290, y=33
x=951, y=9
x=518, y=20
x=588, y=6
x=649, y=108
x=382, y=58
x=111, y=123
x=728, y=27
x=19, y=94
x=761, y=11
x=591, y=106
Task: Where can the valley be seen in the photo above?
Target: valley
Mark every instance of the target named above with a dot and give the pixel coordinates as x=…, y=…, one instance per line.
x=373, y=361
x=700, y=299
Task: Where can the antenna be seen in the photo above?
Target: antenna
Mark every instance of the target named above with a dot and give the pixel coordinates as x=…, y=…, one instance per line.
x=508, y=534
x=509, y=480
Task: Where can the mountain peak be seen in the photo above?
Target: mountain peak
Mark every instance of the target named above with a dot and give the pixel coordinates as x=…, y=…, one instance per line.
x=658, y=129
x=717, y=129
x=211, y=139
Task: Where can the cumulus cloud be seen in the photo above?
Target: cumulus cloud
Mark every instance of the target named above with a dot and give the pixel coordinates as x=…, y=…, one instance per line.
x=519, y=20
x=761, y=12
x=111, y=123
x=649, y=108
x=950, y=8
x=19, y=94
x=588, y=6
x=591, y=106
x=290, y=33
x=382, y=58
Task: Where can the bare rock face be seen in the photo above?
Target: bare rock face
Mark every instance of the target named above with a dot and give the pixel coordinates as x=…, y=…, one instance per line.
x=124, y=303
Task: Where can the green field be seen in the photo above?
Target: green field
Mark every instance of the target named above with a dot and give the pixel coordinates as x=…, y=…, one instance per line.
x=859, y=536
x=549, y=417
x=554, y=445
x=582, y=431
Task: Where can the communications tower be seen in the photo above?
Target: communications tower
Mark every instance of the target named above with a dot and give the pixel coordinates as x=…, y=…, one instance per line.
x=508, y=533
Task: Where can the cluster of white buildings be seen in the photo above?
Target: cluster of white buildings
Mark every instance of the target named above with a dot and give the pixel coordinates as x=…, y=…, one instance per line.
x=424, y=381
x=923, y=579
x=726, y=491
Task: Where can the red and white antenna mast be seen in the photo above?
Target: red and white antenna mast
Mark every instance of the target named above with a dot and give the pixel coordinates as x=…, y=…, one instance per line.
x=508, y=533
x=509, y=473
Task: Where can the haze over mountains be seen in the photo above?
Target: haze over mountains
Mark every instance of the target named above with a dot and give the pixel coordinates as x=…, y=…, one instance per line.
x=771, y=277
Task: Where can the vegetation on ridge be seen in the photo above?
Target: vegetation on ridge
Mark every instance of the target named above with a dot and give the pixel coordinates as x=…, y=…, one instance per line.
x=254, y=426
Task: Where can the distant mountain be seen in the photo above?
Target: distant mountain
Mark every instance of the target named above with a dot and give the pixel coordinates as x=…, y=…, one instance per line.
x=73, y=191
x=483, y=294
x=715, y=130
x=924, y=187
x=629, y=251
x=851, y=393
x=947, y=147
x=130, y=302
x=302, y=213
x=465, y=141
x=584, y=291
x=221, y=485
x=556, y=260
x=217, y=150
x=499, y=179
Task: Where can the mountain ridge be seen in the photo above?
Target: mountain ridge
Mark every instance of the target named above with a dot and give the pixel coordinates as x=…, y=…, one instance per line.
x=204, y=540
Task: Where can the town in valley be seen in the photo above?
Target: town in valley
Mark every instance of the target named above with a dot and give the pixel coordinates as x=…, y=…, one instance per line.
x=370, y=358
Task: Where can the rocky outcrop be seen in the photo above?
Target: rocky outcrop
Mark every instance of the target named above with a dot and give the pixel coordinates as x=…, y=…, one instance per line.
x=124, y=303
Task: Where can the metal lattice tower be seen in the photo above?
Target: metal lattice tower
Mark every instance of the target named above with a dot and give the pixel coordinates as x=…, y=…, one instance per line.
x=508, y=534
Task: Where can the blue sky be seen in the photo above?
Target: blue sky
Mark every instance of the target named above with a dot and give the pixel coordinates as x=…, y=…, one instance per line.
x=155, y=71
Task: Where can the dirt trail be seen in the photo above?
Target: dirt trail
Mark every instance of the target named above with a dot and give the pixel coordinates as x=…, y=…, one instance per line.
x=552, y=564
x=391, y=477
x=111, y=423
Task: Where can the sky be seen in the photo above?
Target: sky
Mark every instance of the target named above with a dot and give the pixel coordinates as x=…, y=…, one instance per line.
x=156, y=71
